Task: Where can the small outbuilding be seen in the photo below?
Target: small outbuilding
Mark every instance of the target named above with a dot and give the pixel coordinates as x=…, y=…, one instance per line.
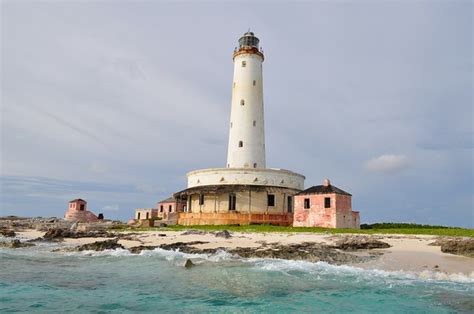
x=146, y=213
x=325, y=206
x=170, y=205
x=77, y=211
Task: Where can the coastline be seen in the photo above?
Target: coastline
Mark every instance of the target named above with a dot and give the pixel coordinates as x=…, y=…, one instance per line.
x=407, y=253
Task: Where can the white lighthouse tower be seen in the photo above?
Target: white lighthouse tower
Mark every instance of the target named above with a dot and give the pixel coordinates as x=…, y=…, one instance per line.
x=247, y=133
x=245, y=191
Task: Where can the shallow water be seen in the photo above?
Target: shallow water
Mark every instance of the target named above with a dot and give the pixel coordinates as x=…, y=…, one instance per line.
x=35, y=279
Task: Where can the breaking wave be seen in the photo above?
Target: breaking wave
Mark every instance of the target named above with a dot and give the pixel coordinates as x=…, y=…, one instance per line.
x=288, y=267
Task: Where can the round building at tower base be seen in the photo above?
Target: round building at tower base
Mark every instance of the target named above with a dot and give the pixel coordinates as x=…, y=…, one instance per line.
x=221, y=196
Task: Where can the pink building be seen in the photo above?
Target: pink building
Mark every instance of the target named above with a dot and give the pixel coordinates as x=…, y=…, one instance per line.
x=77, y=211
x=170, y=205
x=325, y=206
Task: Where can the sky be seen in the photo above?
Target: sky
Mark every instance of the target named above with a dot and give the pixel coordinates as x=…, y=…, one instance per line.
x=115, y=102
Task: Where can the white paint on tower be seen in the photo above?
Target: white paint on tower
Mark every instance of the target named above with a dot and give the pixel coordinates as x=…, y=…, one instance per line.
x=246, y=148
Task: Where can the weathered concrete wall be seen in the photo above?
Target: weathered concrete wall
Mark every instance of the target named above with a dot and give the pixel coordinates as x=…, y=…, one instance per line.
x=252, y=202
x=188, y=219
x=261, y=177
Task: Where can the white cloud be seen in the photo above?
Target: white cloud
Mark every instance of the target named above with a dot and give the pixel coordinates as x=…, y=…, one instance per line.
x=388, y=163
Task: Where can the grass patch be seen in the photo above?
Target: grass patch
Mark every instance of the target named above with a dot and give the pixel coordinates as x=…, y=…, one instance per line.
x=402, y=229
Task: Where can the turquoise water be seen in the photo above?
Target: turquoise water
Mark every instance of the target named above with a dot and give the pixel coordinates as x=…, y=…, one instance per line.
x=36, y=280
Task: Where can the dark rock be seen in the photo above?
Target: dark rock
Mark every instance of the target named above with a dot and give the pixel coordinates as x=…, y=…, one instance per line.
x=185, y=247
x=161, y=234
x=458, y=246
x=223, y=234
x=59, y=234
x=140, y=248
x=353, y=243
x=7, y=233
x=15, y=244
x=312, y=252
x=188, y=264
x=194, y=232
x=101, y=246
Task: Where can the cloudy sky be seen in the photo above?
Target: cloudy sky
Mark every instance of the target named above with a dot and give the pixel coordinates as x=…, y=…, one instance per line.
x=115, y=101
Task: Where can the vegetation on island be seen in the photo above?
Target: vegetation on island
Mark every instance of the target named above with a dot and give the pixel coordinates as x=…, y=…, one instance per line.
x=377, y=228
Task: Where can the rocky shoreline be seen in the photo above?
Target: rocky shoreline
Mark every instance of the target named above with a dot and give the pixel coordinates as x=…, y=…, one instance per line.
x=335, y=249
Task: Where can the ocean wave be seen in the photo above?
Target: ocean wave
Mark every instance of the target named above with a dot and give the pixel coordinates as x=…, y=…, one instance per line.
x=316, y=269
x=170, y=255
x=323, y=268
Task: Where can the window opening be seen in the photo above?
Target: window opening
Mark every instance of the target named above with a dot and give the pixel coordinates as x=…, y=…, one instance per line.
x=307, y=203
x=271, y=200
x=327, y=202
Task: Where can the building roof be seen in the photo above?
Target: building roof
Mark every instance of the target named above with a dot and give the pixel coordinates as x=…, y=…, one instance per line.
x=323, y=189
x=168, y=200
x=77, y=200
x=228, y=188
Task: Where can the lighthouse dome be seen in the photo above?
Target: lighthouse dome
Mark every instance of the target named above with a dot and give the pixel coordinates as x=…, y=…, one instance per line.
x=249, y=40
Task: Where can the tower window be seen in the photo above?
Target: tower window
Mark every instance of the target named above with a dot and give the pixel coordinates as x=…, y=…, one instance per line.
x=254, y=123
x=327, y=202
x=244, y=64
x=290, y=204
x=242, y=102
x=271, y=200
x=307, y=203
x=241, y=144
x=231, y=124
x=201, y=199
x=254, y=82
x=161, y=208
x=170, y=208
x=255, y=165
x=234, y=84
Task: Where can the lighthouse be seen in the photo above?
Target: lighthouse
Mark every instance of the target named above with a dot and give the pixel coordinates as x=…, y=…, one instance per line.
x=246, y=147
x=245, y=191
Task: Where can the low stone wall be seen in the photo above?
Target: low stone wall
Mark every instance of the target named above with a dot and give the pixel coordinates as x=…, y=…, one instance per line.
x=188, y=219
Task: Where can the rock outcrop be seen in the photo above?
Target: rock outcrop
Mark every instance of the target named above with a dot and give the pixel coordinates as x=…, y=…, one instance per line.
x=458, y=246
x=7, y=233
x=223, y=234
x=15, y=244
x=101, y=246
x=188, y=264
x=354, y=243
x=60, y=234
